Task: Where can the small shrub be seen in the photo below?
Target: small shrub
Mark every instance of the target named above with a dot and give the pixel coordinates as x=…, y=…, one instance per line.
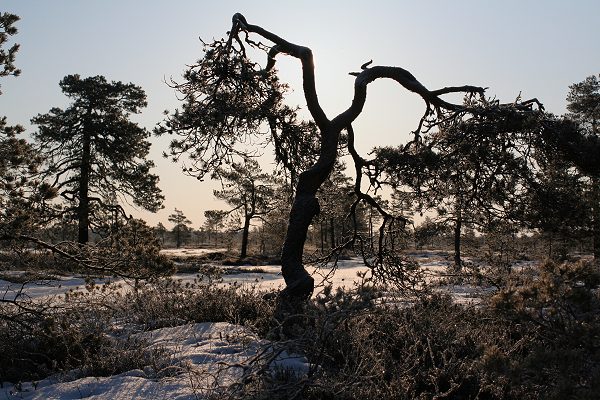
x=90, y=333
x=536, y=338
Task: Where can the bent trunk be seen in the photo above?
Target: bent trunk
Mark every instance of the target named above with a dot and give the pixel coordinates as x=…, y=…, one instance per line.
x=299, y=283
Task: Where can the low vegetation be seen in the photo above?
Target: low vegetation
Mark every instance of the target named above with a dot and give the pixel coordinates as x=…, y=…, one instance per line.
x=536, y=336
x=92, y=332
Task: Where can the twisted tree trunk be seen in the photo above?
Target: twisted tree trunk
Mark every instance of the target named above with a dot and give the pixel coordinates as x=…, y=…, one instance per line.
x=299, y=283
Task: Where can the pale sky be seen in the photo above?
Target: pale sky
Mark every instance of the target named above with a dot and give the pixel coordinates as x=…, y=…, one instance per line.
x=537, y=48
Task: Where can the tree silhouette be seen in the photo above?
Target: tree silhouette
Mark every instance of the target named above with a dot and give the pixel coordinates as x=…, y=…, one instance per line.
x=181, y=229
x=335, y=201
x=7, y=56
x=472, y=171
x=22, y=197
x=250, y=192
x=228, y=98
x=160, y=231
x=95, y=153
x=556, y=202
x=583, y=104
x=214, y=222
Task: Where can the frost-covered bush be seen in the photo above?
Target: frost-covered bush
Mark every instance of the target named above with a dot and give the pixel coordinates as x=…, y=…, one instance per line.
x=535, y=338
x=92, y=333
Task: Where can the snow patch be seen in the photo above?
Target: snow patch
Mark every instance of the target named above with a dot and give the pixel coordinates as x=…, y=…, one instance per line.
x=203, y=359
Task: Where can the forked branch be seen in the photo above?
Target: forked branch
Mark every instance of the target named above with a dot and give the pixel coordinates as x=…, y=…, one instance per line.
x=299, y=283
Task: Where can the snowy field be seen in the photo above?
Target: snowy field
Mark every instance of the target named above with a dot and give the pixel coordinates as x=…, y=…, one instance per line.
x=204, y=358
x=269, y=279
x=183, y=252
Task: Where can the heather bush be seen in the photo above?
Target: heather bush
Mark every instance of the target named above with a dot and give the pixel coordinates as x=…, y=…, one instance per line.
x=92, y=332
x=537, y=337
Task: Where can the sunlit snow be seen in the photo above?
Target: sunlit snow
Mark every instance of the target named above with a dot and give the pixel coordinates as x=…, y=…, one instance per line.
x=207, y=357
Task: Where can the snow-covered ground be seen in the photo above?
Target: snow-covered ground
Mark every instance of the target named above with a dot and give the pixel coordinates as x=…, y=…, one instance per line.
x=203, y=358
x=265, y=278
x=45, y=288
x=344, y=275
x=269, y=279
x=185, y=252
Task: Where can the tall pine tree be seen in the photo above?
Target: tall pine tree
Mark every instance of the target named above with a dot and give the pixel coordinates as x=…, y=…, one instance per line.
x=181, y=230
x=584, y=108
x=95, y=153
x=249, y=192
x=20, y=195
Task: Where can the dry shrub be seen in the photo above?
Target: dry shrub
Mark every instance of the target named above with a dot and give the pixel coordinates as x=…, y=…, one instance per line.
x=90, y=333
x=429, y=348
x=536, y=338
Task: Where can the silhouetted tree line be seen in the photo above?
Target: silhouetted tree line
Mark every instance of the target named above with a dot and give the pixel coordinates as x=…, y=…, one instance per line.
x=470, y=167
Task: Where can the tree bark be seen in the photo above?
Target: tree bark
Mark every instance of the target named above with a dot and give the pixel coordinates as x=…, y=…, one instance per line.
x=177, y=237
x=245, y=232
x=83, y=211
x=298, y=281
x=332, y=232
x=457, y=229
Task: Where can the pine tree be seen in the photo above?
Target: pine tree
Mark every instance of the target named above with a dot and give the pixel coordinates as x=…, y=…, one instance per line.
x=229, y=100
x=160, y=231
x=250, y=192
x=181, y=229
x=95, y=152
x=336, y=199
x=20, y=195
x=214, y=222
x=584, y=107
x=7, y=57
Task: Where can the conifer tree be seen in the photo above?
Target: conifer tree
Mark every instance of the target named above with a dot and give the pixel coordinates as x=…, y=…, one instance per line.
x=181, y=229
x=250, y=192
x=229, y=100
x=584, y=108
x=214, y=222
x=94, y=150
x=7, y=56
x=19, y=193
